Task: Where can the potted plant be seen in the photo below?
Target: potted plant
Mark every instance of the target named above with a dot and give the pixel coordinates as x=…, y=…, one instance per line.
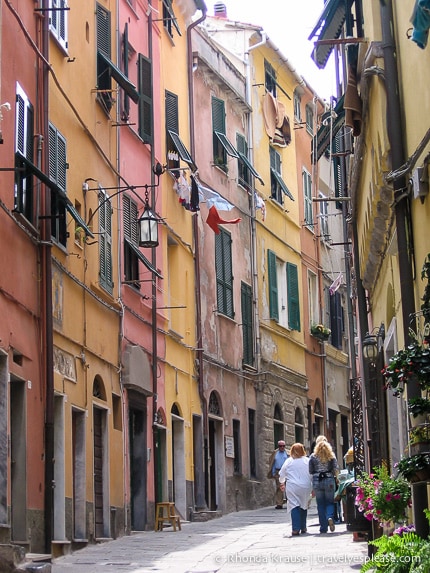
x=407, y=363
x=320, y=331
x=383, y=497
x=404, y=551
x=419, y=408
x=419, y=439
x=414, y=468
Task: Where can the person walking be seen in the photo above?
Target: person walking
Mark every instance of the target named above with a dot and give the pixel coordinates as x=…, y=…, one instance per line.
x=323, y=468
x=295, y=479
x=277, y=459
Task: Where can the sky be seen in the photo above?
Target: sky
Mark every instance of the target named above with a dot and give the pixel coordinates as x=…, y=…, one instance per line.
x=288, y=24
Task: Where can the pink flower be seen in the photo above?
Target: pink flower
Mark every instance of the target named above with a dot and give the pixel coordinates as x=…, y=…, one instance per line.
x=389, y=497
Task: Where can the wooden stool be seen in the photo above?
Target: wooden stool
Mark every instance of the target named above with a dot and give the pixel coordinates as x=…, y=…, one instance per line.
x=165, y=513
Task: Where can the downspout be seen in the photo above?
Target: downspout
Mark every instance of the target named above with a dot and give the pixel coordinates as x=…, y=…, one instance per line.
x=200, y=494
x=395, y=136
x=394, y=129
x=154, y=291
x=47, y=288
x=248, y=98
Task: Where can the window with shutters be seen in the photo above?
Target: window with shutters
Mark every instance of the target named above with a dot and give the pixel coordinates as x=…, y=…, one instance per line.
x=131, y=237
x=324, y=228
x=169, y=19
x=145, y=102
x=275, y=169
x=247, y=324
x=224, y=273
x=244, y=177
x=313, y=298
x=337, y=322
x=104, y=84
x=270, y=78
x=307, y=197
x=172, y=125
x=58, y=21
x=105, y=241
x=57, y=174
x=309, y=120
x=23, y=193
x=284, y=304
x=218, y=126
x=297, y=101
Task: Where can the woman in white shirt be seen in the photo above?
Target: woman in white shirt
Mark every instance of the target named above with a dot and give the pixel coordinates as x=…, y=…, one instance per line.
x=295, y=479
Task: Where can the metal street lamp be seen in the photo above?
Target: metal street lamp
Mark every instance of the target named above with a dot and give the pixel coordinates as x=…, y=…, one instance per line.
x=148, y=227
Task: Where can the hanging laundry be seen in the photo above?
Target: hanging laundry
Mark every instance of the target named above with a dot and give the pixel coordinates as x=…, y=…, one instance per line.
x=213, y=220
x=276, y=122
x=212, y=198
x=182, y=189
x=260, y=204
x=421, y=22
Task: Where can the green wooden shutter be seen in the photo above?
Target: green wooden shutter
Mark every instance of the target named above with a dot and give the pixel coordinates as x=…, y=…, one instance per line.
x=273, y=285
x=293, y=297
x=145, y=102
x=218, y=124
x=224, y=273
x=247, y=330
x=105, y=240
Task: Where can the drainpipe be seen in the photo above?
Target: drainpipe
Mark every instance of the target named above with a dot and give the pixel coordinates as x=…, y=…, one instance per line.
x=200, y=501
x=154, y=294
x=395, y=136
x=394, y=128
x=248, y=97
x=47, y=310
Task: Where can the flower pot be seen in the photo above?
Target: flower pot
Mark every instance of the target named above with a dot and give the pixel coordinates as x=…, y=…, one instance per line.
x=420, y=448
x=417, y=420
x=421, y=475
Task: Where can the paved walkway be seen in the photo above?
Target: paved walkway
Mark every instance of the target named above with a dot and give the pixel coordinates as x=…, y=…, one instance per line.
x=258, y=540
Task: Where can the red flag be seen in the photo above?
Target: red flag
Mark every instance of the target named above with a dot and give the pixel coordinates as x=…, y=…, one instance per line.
x=213, y=220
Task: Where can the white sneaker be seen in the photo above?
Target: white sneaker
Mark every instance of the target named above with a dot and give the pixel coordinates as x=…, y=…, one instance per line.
x=331, y=524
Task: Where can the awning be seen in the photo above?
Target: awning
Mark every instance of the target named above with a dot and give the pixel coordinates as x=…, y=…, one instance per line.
x=120, y=78
x=281, y=182
x=248, y=164
x=142, y=258
x=328, y=130
x=230, y=149
x=181, y=149
x=328, y=27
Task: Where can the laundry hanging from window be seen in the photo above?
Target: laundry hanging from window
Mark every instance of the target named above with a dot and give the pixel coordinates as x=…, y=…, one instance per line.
x=276, y=122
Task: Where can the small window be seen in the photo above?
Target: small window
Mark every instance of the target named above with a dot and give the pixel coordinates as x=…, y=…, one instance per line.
x=23, y=151
x=297, y=107
x=131, y=234
x=105, y=241
x=224, y=273
x=218, y=126
x=58, y=21
x=325, y=235
x=270, y=78
x=278, y=188
x=169, y=18
x=307, y=194
x=284, y=303
x=57, y=174
x=247, y=324
x=309, y=120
